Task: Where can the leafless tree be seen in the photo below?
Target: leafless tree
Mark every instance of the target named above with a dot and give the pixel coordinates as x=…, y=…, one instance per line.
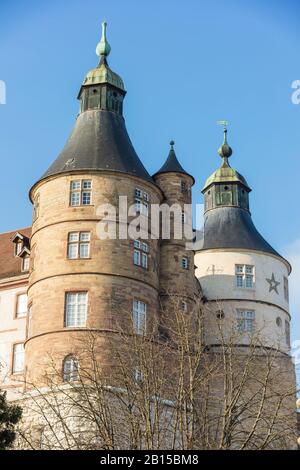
x=165, y=389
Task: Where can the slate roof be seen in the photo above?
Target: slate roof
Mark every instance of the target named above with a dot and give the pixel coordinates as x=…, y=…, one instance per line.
x=172, y=165
x=10, y=265
x=99, y=141
x=232, y=227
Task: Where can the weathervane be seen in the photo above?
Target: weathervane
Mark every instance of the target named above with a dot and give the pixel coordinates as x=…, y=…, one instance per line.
x=223, y=123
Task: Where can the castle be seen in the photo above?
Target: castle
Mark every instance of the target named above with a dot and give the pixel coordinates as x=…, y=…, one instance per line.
x=58, y=278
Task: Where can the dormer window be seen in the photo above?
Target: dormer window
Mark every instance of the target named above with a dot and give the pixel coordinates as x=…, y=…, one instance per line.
x=18, y=248
x=21, y=246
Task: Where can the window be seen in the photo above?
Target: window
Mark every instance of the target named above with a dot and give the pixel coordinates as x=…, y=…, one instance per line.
x=139, y=317
x=286, y=288
x=79, y=245
x=278, y=322
x=138, y=376
x=287, y=332
x=140, y=254
x=25, y=263
x=244, y=276
x=29, y=324
x=183, y=218
x=185, y=263
x=183, y=186
x=18, y=358
x=81, y=193
x=184, y=306
x=141, y=200
x=21, y=310
x=18, y=247
x=70, y=369
x=246, y=321
x=220, y=315
x=76, y=309
x=36, y=208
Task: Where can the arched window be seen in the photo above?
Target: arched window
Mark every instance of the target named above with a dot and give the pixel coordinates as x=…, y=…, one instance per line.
x=70, y=369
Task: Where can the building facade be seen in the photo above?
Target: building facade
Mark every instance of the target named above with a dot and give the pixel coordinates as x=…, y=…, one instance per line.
x=61, y=277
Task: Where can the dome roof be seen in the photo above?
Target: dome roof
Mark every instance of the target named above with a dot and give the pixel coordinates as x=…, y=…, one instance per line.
x=103, y=74
x=225, y=174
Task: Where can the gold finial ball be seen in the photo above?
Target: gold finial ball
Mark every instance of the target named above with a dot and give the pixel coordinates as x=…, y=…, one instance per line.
x=298, y=404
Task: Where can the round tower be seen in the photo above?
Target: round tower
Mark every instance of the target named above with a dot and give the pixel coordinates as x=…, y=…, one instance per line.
x=79, y=282
x=244, y=279
x=177, y=274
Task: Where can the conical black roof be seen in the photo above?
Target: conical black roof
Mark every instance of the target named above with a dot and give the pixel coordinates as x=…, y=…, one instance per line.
x=99, y=141
x=172, y=164
x=232, y=228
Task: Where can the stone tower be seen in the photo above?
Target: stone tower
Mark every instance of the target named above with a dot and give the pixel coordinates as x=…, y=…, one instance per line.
x=177, y=274
x=242, y=276
x=78, y=281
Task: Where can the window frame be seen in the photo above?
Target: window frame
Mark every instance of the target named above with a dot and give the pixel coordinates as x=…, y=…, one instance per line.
x=78, y=244
x=141, y=201
x=13, y=357
x=286, y=289
x=244, y=320
x=36, y=208
x=73, y=360
x=23, y=314
x=139, y=325
x=241, y=276
x=27, y=259
x=140, y=254
x=287, y=332
x=76, y=314
x=81, y=191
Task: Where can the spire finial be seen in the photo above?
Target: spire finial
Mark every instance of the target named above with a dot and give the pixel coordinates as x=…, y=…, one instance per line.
x=224, y=151
x=172, y=143
x=103, y=48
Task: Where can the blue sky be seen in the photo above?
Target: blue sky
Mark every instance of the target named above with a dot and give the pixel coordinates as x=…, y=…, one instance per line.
x=185, y=66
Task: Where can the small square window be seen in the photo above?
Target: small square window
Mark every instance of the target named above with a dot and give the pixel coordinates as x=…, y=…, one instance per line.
x=75, y=185
x=87, y=184
x=239, y=268
x=73, y=237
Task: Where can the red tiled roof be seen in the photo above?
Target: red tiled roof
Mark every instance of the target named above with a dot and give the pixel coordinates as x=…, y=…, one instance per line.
x=10, y=265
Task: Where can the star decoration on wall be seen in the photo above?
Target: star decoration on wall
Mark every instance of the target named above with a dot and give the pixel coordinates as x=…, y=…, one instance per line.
x=273, y=284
